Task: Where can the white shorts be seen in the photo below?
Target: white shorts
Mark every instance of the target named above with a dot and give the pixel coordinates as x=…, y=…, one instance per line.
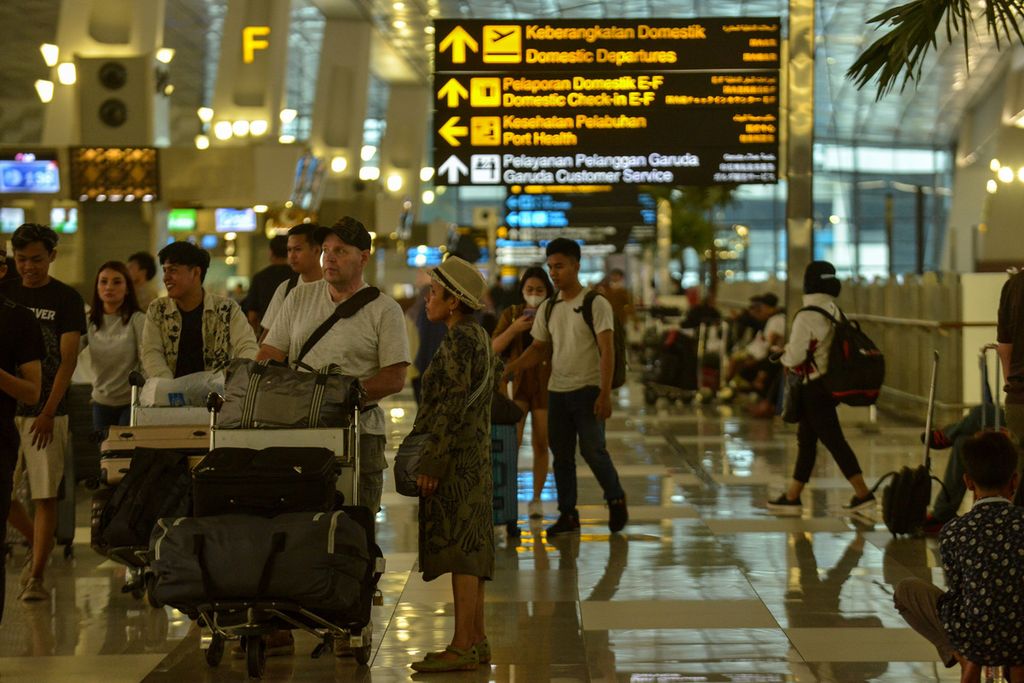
x=45, y=468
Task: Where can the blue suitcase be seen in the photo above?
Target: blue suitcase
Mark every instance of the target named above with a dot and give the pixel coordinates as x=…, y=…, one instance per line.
x=505, y=470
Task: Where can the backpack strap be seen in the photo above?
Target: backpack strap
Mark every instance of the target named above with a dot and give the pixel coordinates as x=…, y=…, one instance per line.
x=292, y=282
x=822, y=311
x=588, y=311
x=346, y=309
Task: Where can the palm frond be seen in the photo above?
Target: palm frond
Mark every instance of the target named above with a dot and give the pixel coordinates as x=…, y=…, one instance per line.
x=898, y=56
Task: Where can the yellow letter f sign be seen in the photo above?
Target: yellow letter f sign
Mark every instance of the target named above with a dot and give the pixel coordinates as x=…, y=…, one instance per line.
x=252, y=40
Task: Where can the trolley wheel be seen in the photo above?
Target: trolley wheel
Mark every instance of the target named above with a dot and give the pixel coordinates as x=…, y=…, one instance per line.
x=256, y=656
x=138, y=592
x=148, y=598
x=215, y=652
x=362, y=654
x=650, y=396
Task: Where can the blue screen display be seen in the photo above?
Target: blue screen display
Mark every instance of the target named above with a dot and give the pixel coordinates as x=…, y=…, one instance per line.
x=30, y=177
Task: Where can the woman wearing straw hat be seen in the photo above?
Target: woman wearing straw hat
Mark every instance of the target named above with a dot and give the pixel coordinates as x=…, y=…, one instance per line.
x=454, y=477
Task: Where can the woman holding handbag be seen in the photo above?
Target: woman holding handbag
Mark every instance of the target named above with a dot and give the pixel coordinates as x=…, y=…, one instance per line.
x=454, y=468
x=529, y=387
x=806, y=355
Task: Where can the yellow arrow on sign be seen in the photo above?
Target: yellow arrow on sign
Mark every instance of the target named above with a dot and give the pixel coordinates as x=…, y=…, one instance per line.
x=458, y=40
x=451, y=131
x=453, y=90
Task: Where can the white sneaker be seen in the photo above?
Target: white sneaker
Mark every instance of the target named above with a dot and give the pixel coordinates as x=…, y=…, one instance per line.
x=536, y=509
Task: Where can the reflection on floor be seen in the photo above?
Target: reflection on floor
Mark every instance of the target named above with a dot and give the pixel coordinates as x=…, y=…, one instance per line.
x=704, y=586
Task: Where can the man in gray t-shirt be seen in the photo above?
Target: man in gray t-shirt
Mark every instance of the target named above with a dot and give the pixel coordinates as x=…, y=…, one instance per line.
x=371, y=345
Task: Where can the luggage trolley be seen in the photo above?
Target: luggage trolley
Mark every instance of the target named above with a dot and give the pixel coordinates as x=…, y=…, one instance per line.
x=249, y=620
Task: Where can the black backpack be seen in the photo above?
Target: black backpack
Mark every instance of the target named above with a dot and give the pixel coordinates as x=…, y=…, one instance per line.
x=618, y=335
x=158, y=484
x=856, y=368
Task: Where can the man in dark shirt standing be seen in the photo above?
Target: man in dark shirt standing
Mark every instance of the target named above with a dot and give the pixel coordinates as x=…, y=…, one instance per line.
x=43, y=426
x=21, y=373
x=265, y=282
x=977, y=620
x=1010, y=336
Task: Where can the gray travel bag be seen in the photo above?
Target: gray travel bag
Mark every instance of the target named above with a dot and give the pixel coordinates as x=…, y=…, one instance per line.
x=319, y=561
x=269, y=396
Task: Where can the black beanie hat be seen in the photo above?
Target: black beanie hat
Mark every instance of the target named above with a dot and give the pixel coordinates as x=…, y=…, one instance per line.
x=820, y=278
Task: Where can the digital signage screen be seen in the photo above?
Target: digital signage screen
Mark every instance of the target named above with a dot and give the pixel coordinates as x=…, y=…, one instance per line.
x=29, y=173
x=234, y=220
x=11, y=218
x=181, y=220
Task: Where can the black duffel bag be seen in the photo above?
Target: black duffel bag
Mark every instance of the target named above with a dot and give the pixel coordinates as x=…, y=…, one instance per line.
x=318, y=560
x=157, y=485
x=267, y=482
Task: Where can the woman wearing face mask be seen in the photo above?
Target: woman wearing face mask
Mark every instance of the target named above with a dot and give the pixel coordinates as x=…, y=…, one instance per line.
x=529, y=388
x=114, y=338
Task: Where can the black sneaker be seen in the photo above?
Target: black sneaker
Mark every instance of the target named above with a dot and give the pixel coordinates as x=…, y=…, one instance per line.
x=618, y=515
x=566, y=524
x=865, y=503
x=785, y=506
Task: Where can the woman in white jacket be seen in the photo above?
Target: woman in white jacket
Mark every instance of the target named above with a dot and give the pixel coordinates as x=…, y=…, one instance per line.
x=807, y=354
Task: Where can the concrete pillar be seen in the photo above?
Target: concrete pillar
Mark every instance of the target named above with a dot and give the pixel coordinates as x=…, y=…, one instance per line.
x=341, y=96
x=401, y=153
x=91, y=33
x=800, y=148
x=251, y=69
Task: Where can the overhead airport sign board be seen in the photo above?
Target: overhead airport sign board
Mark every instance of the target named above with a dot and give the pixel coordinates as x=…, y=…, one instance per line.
x=618, y=102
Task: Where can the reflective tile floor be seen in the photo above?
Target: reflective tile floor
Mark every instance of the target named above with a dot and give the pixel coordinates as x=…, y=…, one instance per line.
x=704, y=585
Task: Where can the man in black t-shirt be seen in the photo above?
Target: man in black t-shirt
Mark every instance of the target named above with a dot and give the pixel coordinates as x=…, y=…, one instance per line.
x=265, y=282
x=21, y=354
x=43, y=426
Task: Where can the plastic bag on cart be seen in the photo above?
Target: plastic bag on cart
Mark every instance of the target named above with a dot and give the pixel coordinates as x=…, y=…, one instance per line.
x=271, y=396
x=190, y=390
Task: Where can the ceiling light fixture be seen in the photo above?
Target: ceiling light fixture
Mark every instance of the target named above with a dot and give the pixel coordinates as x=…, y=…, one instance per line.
x=286, y=139
x=1005, y=174
x=369, y=173
x=259, y=127
x=66, y=73
x=426, y=173
x=339, y=164
x=992, y=186
x=164, y=55
x=240, y=128
x=428, y=197
x=394, y=182
x=44, y=89
x=205, y=114
x=288, y=115
x=202, y=142
x=222, y=130
x=399, y=24
x=367, y=152
x=51, y=53
x=260, y=208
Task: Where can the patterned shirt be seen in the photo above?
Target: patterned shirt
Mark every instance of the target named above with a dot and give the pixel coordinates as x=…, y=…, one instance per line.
x=983, y=557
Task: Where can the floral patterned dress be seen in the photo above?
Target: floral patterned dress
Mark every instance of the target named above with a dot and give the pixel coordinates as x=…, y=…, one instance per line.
x=455, y=529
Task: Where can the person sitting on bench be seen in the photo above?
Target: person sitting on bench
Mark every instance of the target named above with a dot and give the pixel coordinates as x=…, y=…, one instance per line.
x=976, y=621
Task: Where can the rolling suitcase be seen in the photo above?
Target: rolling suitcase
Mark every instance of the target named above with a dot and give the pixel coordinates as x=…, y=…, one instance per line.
x=266, y=482
x=505, y=471
x=905, y=500
x=118, y=448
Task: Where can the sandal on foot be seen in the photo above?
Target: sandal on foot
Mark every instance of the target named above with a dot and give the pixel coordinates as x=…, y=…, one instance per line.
x=464, y=660
x=483, y=651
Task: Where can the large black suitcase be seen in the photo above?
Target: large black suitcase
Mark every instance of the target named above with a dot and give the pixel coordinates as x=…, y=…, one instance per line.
x=267, y=482
x=319, y=561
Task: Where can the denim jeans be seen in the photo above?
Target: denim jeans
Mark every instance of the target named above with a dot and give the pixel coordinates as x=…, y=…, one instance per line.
x=571, y=415
x=104, y=417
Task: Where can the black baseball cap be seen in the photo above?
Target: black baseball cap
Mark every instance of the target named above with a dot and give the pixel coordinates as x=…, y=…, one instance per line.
x=348, y=230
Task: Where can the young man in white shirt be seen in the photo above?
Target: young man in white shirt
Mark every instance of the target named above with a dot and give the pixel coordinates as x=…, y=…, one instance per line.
x=580, y=389
x=371, y=345
x=304, y=259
